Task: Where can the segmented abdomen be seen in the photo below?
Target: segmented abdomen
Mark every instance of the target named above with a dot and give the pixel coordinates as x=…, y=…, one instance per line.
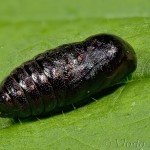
x=66, y=75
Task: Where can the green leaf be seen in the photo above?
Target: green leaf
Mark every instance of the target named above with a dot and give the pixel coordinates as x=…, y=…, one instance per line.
x=119, y=120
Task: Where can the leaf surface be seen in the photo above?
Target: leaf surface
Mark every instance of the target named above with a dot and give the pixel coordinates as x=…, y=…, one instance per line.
x=118, y=120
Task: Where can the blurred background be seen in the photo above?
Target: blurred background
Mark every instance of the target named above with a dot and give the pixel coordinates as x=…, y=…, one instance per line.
x=45, y=10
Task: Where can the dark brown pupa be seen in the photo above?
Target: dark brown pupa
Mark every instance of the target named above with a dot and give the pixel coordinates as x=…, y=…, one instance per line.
x=65, y=75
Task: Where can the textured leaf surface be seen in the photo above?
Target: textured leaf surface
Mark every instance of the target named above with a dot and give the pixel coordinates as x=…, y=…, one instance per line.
x=119, y=120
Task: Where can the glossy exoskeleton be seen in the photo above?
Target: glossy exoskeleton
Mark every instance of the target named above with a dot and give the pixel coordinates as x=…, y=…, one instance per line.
x=66, y=75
